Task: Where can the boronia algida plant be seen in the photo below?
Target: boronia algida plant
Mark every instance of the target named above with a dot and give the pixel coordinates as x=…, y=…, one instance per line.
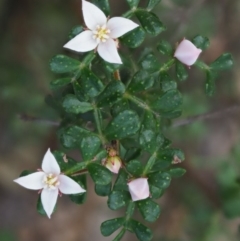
x=114, y=107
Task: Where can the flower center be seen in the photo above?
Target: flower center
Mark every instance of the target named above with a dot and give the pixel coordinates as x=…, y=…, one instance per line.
x=101, y=34
x=50, y=181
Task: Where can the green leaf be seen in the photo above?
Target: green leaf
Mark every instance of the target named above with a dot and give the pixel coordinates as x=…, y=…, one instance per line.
x=118, y=199
x=152, y=4
x=89, y=147
x=169, y=101
x=103, y=190
x=91, y=85
x=177, y=172
x=63, y=161
x=121, y=181
x=169, y=154
x=133, y=3
x=161, y=180
x=181, y=71
x=119, y=107
x=72, y=105
x=210, y=86
x=103, y=5
x=62, y=64
x=150, y=22
x=201, y=42
x=100, y=174
x=149, y=209
x=141, y=81
x=165, y=48
x=156, y=192
x=78, y=91
x=110, y=226
x=142, y=232
x=150, y=63
x=134, y=38
x=75, y=31
x=125, y=124
x=135, y=167
x=111, y=94
x=80, y=198
x=132, y=153
x=72, y=136
x=225, y=61
x=59, y=83
x=167, y=83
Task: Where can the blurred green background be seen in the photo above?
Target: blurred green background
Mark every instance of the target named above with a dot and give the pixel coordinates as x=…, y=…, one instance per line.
x=204, y=205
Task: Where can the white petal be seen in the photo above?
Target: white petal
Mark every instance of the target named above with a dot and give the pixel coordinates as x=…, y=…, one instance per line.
x=49, y=164
x=83, y=42
x=92, y=15
x=119, y=26
x=32, y=181
x=69, y=186
x=187, y=52
x=108, y=51
x=139, y=189
x=49, y=199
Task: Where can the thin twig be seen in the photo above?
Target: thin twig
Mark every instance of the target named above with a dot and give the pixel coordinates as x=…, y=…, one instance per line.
x=210, y=115
x=27, y=118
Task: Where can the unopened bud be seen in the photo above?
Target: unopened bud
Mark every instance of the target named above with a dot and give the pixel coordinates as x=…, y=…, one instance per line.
x=113, y=163
x=139, y=189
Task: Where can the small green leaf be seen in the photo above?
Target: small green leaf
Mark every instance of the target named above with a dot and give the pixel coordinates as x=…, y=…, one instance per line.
x=89, y=147
x=169, y=154
x=119, y=107
x=225, y=61
x=135, y=167
x=75, y=31
x=118, y=199
x=100, y=174
x=152, y=4
x=62, y=64
x=80, y=198
x=132, y=153
x=125, y=124
x=165, y=48
x=40, y=208
x=156, y=192
x=181, y=71
x=91, y=85
x=210, y=86
x=142, y=232
x=133, y=3
x=78, y=91
x=134, y=38
x=141, y=81
x=103, y=5
x=149, y=209
x=150, y=63
x=59, y=83
x=169, y=101
x=201, y=42
x=63, y=161
x=103, y=190
x=110, y=226
x=111, y=94
x=121, y=181
x=161, y=180
x=150, y=22
x=167, y=83
x=177, y=172
x=72, y=105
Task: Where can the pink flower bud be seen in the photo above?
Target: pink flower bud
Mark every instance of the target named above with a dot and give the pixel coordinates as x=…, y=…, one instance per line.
x=139, y=189
x=113, y=163
x=187, y=52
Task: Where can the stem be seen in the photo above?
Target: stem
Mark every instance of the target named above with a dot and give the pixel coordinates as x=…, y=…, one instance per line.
x=117, y=75
x=129, y=13
x=89, y=58
x=167, y=65
x=120, y=235
x=150, y=163
x=201, y=65
x=130, y=210
x=77, y=168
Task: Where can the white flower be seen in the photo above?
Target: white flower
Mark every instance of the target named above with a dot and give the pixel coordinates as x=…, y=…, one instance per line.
x=51, y=182
x=187, y=52
x=101, y=33
x=139, y=189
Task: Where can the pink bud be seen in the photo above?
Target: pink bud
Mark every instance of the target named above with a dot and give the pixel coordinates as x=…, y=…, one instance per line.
x=139, y=189
x=187, y=52
x=113, y=163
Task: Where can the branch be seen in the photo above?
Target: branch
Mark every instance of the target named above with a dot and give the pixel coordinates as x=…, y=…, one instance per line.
x=206, y=116
x=27, y=118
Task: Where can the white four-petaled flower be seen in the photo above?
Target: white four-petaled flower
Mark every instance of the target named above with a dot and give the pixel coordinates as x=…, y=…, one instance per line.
x=139, y=189
x=187, y=53
x=101, y=33
x=51, y=182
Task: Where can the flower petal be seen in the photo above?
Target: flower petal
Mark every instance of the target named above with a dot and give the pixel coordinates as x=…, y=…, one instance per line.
x=92, y=15
x=69, y=186
x=139, y=189
x=49, y=199
x=83, y=42
x=32, y=181
x=49, y=164
x=187, y=52
x=119, y=26
x=108, y=51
